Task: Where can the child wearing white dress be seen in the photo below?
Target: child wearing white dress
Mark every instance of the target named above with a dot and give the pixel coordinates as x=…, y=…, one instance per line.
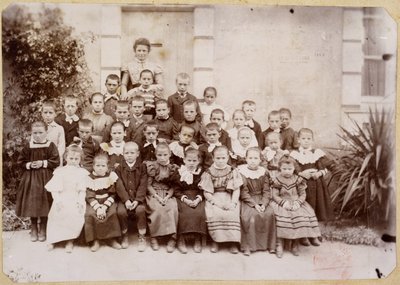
x=67, y=187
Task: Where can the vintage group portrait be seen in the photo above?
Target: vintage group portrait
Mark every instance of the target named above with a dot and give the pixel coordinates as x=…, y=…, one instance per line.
x=146, y=142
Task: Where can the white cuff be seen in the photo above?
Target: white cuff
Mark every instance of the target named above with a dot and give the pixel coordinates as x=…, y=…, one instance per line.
x=28, y=165
x=183, y=197
x=198, y=196
x=45, y=163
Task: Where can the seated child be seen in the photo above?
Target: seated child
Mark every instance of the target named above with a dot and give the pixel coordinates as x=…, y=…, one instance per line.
x=217, y=116
x=176, y=100
x=101, y=219
x=189, y=114
x=249, y=108
x=274, y=122
x=69, y=120
x=85, y=141
x=68, y=189
x=295, y=218
x=192, y=217
x=114, y=148
x=166, y=124
x=212, y=135
x=150, y=142
x=206, y=107
x=289, y=136
x=111, y=97
x=38, y=159
x=98, y=117
x=122, y=115
x=131, y=191
x=272, y=153
x=148, y=91
x=239, y=118
x=221, y=185
x=162, y=210
x=241, y=145
x=55, y=132
x=257, y=217
x=178, y=148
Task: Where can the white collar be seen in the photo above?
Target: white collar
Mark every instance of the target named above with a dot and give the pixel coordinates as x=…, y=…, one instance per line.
x=70, y=119
x=108, y=96
x=97, y=113
x=249, y=173
x=187, y=175
x=130, y=164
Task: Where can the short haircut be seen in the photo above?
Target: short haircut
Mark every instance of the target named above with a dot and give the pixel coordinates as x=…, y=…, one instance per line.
x=189, y=103
x=150, y=124
x=143, y=42
x=94, y=95
x=286, y=159
x=162, y=146
x=191, y=150
x=100, y=156
x=73, y=148
x=272, y=135
x=285, y=110
x=254, y=148
x=248, y=102
x=39, y=124
x=220, y=148
x=161, y=101
x=49, y=103
x=210, y=88
x=70, y=98
x=85, y=123
x=122, y=104
x=188, y=127
x=238, y=111
x=211, y=127
x=273, y=113
x=138, y=98
x=116, y=123
x=183, y=75
x=307, y=131
x=113, y=77
x=217, y=111
x=244, y=129
x=146, y=71
x=133, y=144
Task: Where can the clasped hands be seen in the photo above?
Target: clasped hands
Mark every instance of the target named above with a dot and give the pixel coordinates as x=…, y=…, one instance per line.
x=192, y=203
x=101, y=212
x=131, y=205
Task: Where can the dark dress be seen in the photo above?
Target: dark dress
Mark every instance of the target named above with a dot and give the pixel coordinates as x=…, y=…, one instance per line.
x=191, y=220
x=32, y=198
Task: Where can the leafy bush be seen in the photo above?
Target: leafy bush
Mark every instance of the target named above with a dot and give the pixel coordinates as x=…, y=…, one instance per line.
x=365, y=175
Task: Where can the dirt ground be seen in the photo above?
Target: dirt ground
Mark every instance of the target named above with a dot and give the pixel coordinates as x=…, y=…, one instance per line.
x=332, y=260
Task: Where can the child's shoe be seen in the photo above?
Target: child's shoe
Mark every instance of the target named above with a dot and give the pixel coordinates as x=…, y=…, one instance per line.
x=214, y=247
x=141, y=243
x=233, y=248
x=171, y=245
x=50, y=246
x=295, y=248
x=115, y=245
x=182, y=245
x=197, y=245
x=154, y=244
x=69, y=246
x=246, y=251
x=34, y=232
x=95, y=246
x=42, y=233
x=305, y=242
x=315, y=242
x=125, y=241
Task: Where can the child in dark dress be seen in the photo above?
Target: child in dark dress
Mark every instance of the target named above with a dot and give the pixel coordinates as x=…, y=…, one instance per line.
x=150, y=141
x=212, y=135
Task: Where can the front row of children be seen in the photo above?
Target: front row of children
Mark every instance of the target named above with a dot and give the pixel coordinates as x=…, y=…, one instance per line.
x=235, y=205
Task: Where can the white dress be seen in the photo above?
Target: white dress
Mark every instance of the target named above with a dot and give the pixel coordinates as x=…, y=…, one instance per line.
x=67, y=214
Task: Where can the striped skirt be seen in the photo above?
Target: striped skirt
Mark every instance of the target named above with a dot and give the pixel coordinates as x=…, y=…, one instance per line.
x=223, y=226
x=296, y=224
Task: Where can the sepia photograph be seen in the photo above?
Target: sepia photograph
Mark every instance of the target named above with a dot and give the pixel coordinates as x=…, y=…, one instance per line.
x=146, y=142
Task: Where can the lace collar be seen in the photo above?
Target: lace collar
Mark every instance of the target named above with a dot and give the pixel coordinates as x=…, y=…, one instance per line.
x=249, y=173
x=306, y=156
x=187, y=175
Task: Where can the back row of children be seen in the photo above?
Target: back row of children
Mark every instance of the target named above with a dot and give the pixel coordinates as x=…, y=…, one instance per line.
x=194, y=171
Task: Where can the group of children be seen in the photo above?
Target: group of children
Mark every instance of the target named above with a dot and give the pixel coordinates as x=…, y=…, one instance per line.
x=171, y=164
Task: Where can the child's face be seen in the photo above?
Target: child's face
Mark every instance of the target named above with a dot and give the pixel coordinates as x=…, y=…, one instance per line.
x=122, y=113
x=191, y=161
x=73, y=158
x=217, y=118
x=150, y=134
x=189, y=112
x=48, y=114
x=162, y=111
x=244, y=138
x=274, y=122
x=305, y=140
x=212, y=136
x=146, y=79
x=141, y=52
x=285, y=120
x=70, y=107
x=162, y=156
x=249, y=110
x=253, y=159
x=137, y=108
x=112, y=85
x=186, y=135
x=100, y=166
x=182, y=84
x=84, y=132
x=238, y=120
x=39, y=134
x=274, y=143
x=98, y=103
x=130, y=153
x=117, y=133
x=209, y=97
x=221, y=158
x=287, y=169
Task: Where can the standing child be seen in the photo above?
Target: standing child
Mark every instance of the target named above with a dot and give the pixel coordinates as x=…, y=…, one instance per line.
x=249, y=108
x=55, y=133
x=68, y=188
x=209, y=104
x=192, y=216
x=98, y=117
x=111, y=97
x=272, y=153
x=137, y=119
x=241, y=145
x=289, y=136
x=166, y=124
x=178, y=148
x=274, y=122
x=221, y=185
x=295, y=218
x=162, y=210
x=131, y=190
x=313, y=166
x=189, y=114
x=69, y=120
x=212, y=135
x=85, y=141
x=38, y=159
x=217, y=116
x=150, y=142
x=122, y=115
x=101, y=220
x=239, y=118
x=257, y=217
x=176, y=100
x=114, y=148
